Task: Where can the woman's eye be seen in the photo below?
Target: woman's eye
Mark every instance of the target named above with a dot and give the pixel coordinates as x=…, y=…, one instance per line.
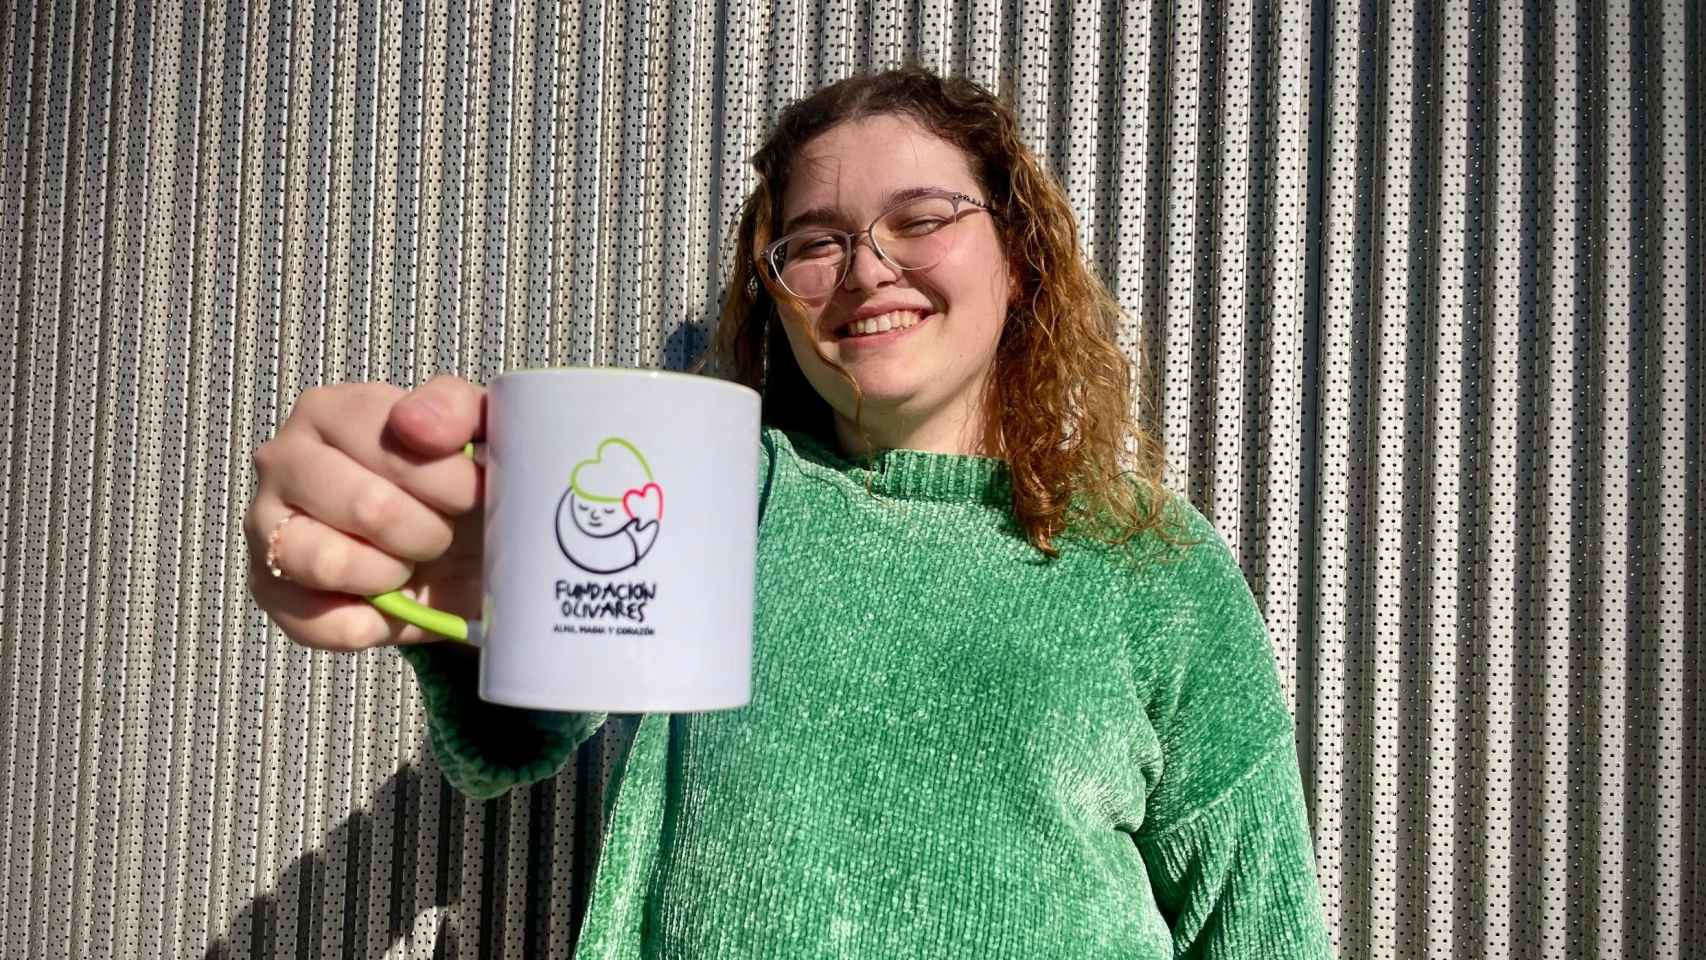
x=921, y=226
x=609, y=510
x=816, y=247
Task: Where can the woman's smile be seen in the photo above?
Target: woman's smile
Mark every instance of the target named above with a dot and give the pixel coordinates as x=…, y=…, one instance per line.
x=879, y=331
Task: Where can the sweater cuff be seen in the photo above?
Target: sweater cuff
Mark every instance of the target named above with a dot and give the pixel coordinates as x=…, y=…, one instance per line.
x=487, y=748
x=1237, y=878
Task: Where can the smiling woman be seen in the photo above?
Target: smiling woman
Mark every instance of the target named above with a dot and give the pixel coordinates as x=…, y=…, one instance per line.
x=999, y=340
x=1011, y=697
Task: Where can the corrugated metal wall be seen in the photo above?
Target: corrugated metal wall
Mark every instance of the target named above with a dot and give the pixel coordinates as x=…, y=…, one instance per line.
x=1424, y=283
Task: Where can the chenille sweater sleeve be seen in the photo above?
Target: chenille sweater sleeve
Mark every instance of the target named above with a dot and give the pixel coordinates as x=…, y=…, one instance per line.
x=487, y=748
x=1226, y=839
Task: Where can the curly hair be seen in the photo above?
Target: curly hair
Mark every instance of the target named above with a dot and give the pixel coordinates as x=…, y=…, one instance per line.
x=1060, y=409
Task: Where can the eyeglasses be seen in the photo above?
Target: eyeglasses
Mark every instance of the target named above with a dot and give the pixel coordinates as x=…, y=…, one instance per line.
x=915, y=234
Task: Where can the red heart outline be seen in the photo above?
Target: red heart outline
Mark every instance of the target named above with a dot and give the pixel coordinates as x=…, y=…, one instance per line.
x=642, y=494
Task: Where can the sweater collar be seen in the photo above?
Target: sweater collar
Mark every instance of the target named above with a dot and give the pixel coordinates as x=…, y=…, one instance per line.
x=915, y=474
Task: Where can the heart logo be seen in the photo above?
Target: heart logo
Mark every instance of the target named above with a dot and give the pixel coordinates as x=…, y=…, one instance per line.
x=644, y=504
x=616, y=466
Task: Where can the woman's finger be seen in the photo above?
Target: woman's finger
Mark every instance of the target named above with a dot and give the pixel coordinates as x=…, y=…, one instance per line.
x=328, y=621
x=361, y=420
x=306, y=551
x=323, y=482
x=448, y=483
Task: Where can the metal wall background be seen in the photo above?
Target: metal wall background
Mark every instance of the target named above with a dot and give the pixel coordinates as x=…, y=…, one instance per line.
x=1424, y=287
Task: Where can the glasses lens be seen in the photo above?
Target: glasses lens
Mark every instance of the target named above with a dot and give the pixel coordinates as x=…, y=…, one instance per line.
x=912, y=236
x=915, y=235
x=809, y=263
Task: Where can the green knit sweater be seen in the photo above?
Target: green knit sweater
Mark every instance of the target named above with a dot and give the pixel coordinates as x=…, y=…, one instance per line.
x=955, y=747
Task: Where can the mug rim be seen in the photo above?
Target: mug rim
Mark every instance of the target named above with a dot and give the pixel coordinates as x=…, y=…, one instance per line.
x=649, y=373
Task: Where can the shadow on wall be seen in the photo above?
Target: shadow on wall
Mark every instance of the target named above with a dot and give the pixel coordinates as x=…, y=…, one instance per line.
x=262, y=916
x=565, y=819
x=258, y=922
x=688, y=340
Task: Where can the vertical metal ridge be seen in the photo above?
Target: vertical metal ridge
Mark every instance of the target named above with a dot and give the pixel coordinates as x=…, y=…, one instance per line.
x=1278, y=477
x=1501, y=330
x=1612, y=321
x=486, y=210
x=1264, y=331
x=112, y=917
x=149, y=665
x=1555, y=798
x=1442, y=630
x=590, y=273
x=220, y=674
x=31, y=611
x=690, y=296
x=525, y=305
x=247, y=642
x=1228, y=277
x=465, y=155
x=651, y=341
x=1577, y=56
x=275, y=384
x=427, y=115
x=1179, y=262
x=1337, y=308
x=1125, y=250
x=204, y=527
x=1387, y=598
x=1694, y=710
x=24, y=121
x=440, y=187
x=387, y=279
x=1665, y=497
x=173, y=325
x=1197, y=321
x=564, y=127
x=16, y=91
x=634, y=294
x=91, y=259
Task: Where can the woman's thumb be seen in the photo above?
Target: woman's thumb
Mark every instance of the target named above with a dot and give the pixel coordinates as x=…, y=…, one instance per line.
x=440, y=416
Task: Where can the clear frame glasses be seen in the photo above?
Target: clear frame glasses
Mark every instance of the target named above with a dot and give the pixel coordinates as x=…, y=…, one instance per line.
x=914, y=234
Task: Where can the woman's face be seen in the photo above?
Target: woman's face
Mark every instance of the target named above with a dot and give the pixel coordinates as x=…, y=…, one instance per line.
x=922, y=383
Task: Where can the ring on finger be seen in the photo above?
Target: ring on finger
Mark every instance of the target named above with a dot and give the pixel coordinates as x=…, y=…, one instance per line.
x=272, y=544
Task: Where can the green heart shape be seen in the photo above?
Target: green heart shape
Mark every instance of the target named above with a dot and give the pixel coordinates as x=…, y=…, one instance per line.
x=616, y=467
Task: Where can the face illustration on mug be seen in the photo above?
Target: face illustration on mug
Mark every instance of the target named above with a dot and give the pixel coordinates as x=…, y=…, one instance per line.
x=609, y=517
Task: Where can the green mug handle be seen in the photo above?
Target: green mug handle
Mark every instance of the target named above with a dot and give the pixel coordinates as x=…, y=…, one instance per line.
x=447, y=625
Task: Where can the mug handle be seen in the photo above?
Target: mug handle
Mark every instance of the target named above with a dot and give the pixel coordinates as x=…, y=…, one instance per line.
x=447, y=625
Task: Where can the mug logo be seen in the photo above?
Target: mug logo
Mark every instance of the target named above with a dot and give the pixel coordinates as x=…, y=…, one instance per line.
x=609, y=517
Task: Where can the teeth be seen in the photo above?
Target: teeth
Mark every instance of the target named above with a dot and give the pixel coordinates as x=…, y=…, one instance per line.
x=897, y=320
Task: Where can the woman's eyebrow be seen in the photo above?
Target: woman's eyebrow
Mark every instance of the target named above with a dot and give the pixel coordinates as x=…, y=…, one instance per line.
x=830, y=216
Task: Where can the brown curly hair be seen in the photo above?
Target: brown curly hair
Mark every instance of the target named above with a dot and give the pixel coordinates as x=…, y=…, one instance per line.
x=1060, y=400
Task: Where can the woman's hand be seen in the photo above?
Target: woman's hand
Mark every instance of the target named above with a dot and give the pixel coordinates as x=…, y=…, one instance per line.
x=383, y=499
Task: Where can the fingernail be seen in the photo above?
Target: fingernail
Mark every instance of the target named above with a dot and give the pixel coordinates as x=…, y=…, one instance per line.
x=428, y=406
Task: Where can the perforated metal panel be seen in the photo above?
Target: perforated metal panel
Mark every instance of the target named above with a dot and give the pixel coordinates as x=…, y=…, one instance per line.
x=1421, y=285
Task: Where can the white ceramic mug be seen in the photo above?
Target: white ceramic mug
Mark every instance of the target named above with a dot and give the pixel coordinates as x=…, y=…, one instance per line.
x=621, y=530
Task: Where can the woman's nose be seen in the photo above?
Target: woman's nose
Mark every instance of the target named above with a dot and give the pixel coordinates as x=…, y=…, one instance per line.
x=866, y=269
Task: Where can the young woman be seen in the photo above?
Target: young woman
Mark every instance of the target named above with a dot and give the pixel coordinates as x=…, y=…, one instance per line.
x=1012, y=699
